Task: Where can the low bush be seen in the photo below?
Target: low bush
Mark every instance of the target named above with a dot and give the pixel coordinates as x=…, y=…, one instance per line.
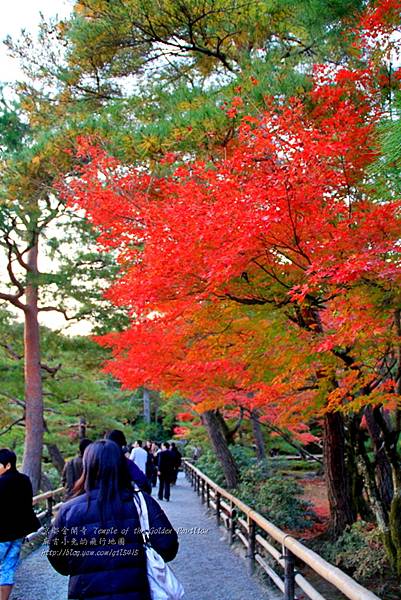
x=210, y=466
x=278, y=500
x=244, y=458
x=360, y=552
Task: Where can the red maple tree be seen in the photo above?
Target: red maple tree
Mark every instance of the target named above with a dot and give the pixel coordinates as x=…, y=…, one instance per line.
x=267, y=279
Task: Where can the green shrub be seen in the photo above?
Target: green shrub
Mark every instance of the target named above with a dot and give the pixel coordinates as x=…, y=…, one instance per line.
x=278, y=500
x=210, y=466
x=53, y=475
x=282, y=464
x=244, y=458
x=359, y=551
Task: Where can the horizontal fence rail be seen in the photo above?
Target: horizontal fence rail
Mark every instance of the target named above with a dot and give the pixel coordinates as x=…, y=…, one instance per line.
x=51, y=501
x=257, y=533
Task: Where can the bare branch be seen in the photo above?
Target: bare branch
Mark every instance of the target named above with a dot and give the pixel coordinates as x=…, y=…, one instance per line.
x=10, y=271
x=13, y=299
x=13, y=399
x=60, y=310
x=15, y=356
x=11, y=352
x=12, y=248
x=51, y=370
x=16, y=422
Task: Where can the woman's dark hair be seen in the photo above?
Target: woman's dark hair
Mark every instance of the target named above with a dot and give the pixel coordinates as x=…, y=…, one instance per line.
x=117, y=436
x=105, y=469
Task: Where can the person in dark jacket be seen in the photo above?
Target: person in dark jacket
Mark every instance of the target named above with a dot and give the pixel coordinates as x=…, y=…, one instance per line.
x=137, y=476
x=17, y=518
x=96, y=537
x=155, y=458
x=165, y=469
x=177, y=458
x=150, y=467
x=73, y=469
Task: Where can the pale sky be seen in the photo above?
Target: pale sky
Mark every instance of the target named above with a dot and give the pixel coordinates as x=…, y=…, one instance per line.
x=24, y=14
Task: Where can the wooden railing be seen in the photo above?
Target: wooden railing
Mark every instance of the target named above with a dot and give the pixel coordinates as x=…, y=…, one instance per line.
x=256, y=534
x=50, y=500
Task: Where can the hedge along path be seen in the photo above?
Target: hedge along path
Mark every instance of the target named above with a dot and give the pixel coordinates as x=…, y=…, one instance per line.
x=205, y=565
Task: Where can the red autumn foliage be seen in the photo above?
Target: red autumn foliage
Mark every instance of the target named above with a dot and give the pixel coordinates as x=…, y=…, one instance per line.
x=256, y=280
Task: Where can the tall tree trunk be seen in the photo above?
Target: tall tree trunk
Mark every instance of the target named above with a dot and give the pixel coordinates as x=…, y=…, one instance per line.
x=82, y=428
x=45, y=483
x=212, y=422
x=258, y=436
x=56, y=457
x=338, y=487
x=379, y=509
x=382, y=464
x=34, y=426
x=390, y=438
x=357, y=469
x=146, y=405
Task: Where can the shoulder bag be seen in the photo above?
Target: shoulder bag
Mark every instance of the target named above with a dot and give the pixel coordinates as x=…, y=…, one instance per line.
x=163, y=584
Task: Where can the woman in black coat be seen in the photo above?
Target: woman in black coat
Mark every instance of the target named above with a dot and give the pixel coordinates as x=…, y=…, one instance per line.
x=96, y=536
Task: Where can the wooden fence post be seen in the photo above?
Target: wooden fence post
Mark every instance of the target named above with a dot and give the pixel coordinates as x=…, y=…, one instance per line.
x=231, y=534
x=203, y=491
x=49, y=505
x=218, y=519
x=289, y=574
x=208, y=495
x=252, y=546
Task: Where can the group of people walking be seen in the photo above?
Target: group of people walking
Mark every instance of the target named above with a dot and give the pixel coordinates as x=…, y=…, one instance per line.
x=146, y=463
x=96, y=537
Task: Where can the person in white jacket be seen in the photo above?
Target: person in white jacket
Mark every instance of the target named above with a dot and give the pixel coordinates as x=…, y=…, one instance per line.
x=139, y=456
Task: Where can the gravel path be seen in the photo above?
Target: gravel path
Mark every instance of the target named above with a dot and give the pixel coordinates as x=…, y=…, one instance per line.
x=205, y=565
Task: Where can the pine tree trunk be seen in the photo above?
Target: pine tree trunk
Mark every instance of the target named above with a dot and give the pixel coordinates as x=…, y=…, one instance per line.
x=339, y=493
x=34, y=426
x=56, y=457
x=258, y=436
x=218, y=440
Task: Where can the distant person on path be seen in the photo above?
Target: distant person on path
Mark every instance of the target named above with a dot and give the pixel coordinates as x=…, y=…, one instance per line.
x=165, y=469
x=73, y=469
x=17, y=518
x=137, y=476
x=155, y=458
x=151, y=467
x=177, y=457
x=196, y=453
x=139, y=456
x=96, y=537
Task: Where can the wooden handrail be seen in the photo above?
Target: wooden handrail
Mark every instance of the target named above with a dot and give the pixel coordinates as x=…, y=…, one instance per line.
x=50, y=508
x=290, y=548
x=46, y=495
